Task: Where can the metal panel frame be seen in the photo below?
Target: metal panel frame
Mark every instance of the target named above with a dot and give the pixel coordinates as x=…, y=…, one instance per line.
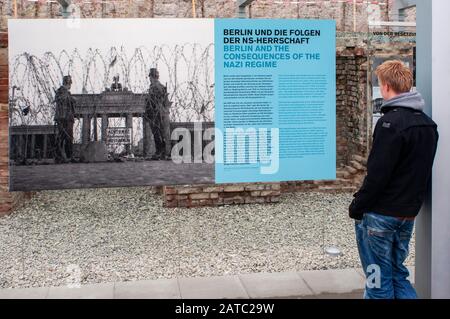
x=433, y=74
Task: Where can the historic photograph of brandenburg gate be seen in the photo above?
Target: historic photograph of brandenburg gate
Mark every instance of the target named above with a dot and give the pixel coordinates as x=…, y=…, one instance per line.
x=110, y=115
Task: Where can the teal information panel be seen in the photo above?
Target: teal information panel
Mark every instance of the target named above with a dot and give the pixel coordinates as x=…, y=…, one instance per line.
x=275, y=100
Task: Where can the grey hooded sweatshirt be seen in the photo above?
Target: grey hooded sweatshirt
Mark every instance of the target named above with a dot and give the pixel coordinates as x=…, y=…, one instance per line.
x=413, y=100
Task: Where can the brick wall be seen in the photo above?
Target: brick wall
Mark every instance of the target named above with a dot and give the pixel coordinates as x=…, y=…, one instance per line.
x=5, y=197
x=342, y=12
x=352, y=137
x=352, y=124
x=219, y=195
x=351, y=104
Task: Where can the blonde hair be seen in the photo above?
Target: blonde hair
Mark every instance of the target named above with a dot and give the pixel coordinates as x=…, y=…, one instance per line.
x=395, y=74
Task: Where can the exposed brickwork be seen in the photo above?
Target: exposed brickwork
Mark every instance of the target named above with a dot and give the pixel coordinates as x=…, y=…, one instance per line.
x=351, y=105
x=6, y=199
x=219, y=195
x=348, y=179
x=358, y=114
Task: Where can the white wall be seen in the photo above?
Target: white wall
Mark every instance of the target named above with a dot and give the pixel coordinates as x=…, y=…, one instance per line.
x=433, y=81
x=440, y=268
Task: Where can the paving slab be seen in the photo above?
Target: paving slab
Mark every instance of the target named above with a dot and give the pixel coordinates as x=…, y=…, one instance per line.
x=353, y=295
x=95, y=291
x=275, y=285
x=226, y=287
x=333, y=281
x=330, y=284
x=24, y=293
x=148, y=289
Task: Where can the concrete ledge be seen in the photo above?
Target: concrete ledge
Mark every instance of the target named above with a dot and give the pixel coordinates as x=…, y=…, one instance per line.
x=281, y=285
x=227, y=287
x=96, y=291
x=330, y=284
x=148, y=289
x=24, y=293
x=333, y=281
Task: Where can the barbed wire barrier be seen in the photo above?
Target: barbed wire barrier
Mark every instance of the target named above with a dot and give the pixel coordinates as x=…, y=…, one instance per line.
x=186, y=70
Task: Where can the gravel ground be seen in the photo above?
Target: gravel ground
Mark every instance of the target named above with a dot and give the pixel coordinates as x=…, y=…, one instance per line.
x=124, y=234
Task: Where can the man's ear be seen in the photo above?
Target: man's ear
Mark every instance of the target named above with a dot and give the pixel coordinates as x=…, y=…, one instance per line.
x=388, y=88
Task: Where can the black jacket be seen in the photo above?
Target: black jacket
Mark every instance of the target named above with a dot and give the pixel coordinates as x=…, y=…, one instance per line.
x=399, y=166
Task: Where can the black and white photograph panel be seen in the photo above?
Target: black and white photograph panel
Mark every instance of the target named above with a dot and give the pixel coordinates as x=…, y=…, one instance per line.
x=110, y=103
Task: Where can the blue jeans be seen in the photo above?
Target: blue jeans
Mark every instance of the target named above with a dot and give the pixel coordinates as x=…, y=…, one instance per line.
x=383, y=245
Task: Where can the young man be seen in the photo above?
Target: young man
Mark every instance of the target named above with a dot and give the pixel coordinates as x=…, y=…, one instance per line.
x=398, y=173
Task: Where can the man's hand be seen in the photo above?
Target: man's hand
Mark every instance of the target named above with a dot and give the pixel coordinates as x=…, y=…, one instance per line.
x=353, y=212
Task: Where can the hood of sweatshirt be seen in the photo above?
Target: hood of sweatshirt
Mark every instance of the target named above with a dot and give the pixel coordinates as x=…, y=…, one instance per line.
x=413, y=100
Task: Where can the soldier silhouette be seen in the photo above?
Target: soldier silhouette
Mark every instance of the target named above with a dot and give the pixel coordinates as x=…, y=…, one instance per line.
x=155, y=112
x=116, y=86
x=64, y=119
